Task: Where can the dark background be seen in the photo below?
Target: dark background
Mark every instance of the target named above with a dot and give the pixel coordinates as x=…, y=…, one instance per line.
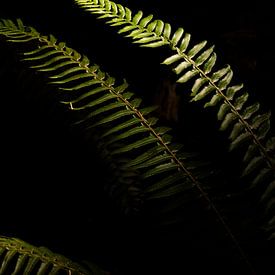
x=40, y=155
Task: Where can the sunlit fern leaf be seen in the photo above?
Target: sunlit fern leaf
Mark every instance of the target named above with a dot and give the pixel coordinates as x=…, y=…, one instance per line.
x=146, y=31
x=195, y=64
x=19, y=257
x=127, y=134
x=247, y=126
x=192, y=64
x=112, y=111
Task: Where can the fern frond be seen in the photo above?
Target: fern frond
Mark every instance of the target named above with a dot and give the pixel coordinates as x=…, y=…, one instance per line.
x=143, y=29
x=192, y=63
x=248, y=127
x=19, y=257
x=141, y=154
x=111, y=110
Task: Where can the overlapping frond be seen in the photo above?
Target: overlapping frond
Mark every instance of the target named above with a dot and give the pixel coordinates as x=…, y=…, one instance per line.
x=194, y=64
x=144, y=160
x=247, y=125
x=19, y=257
x=127, y=134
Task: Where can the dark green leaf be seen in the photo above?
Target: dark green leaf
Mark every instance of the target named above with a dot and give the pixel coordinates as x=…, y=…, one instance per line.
x=135, y=145
x=239, y=140
x=253, y=165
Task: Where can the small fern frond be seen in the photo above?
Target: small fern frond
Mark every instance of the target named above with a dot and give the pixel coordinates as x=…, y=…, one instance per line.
x=141, y=153
x=19, y=257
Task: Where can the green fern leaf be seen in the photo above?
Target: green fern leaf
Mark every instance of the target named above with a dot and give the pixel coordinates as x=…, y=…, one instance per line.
x=263, y=176
x=196, y=49
x=187, y=76
x=251, y=151
x=244, y=126
x=137, y=17
x=269, y=192
x=19, y=257
x=162, y=184
x=97, y=96
x=263, y=130
x=153, y=161
x=185, y=42
x=159, y=27
x=204, y=56
x=228, y=120
x=127, y=29
x=239, y=140
x=231, y=91
x=154, y=44
x=147, y=40
x=145, y=145
x=210, y=63
x=146, y=156
x=223, y=110
x=119, y=127
x=253, y=165
x=237, y=129
x=240, y=101
x=167, y=31
x=177, y=36
x=250, y=110
x=170, y=60
x=182, y=66
x=171, y=191
x=220, y=73
x=197, y=85
x=214, y=101
x=260, y=119
x=203, y=93
x=127, y=134
x=145, y=21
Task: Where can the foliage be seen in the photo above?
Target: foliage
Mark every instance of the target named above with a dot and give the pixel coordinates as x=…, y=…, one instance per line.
x=149, y=175
x=19, y=257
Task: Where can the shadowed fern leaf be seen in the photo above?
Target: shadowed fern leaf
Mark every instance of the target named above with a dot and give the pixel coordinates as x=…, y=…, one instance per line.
x=248, y=126
x=19, y=257
x=139, y=152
